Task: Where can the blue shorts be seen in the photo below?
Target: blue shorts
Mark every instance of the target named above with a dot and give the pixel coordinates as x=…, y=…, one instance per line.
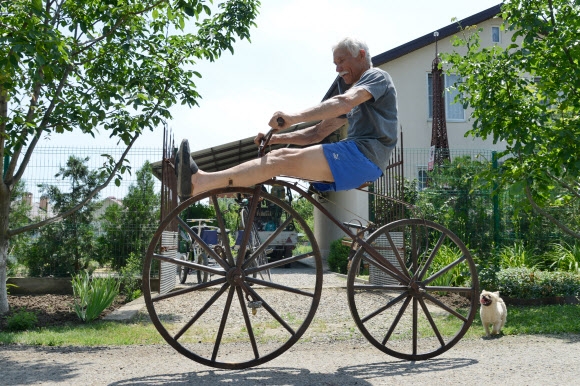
x=350, y=168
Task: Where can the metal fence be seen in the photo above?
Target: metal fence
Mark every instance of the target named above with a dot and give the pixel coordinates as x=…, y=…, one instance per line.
x=449, y=194
x=99, y=238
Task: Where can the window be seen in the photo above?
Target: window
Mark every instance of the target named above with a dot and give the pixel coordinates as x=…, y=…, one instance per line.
x=453, y=111
x=422, y=177
x=495, y=36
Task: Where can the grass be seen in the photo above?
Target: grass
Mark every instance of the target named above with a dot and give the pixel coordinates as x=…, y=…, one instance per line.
x=553, y=319
x=535, y=320
x=98, y=333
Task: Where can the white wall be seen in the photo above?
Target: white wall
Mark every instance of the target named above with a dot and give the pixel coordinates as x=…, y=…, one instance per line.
x=409, y=74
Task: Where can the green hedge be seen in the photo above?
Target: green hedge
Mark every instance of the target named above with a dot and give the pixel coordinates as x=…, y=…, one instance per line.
x=526, y=283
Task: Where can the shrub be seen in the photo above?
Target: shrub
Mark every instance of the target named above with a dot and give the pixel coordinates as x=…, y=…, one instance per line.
x=21, y=320
x=526, y=283
x=338, y=257
x=131, y=277
x=566, y=257
x=93, y=297
x=516, y=256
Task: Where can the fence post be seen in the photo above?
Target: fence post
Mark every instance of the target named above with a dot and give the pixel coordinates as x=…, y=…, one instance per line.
x=495, y=200
x=372, y=209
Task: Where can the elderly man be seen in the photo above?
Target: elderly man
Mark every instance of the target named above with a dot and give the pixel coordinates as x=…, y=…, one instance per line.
x=369, y=105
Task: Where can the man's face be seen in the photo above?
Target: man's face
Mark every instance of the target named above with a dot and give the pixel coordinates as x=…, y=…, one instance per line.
x=349, y=67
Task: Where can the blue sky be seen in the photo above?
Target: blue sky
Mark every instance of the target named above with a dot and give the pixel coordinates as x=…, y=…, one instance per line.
x=288, y=65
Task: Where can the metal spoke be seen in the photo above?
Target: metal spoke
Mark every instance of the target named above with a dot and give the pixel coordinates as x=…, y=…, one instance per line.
x=224, y=319
x=201, y=311
x=247, y=322
x=396, y=321
x=431, y=321
x=432, y=256
x=279, y=287
x=184, y=291
x=444, y=270
x=384, y=308
x=450, y=310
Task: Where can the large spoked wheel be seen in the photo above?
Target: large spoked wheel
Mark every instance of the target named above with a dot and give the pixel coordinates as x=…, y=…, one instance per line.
x=421, y=296
x=234, y=320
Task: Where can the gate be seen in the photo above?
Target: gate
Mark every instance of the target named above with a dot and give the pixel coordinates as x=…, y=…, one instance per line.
x=386, y=204
x=169, y=239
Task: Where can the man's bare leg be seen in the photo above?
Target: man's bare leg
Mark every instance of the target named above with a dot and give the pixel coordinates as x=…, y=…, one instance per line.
x=308, y=163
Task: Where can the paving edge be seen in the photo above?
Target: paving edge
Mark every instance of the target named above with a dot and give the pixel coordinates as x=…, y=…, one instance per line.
x=127, y=311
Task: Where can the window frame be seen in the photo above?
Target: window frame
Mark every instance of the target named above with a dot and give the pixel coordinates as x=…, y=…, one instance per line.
x=422, y=177
x=492, y=29
x=449, y=97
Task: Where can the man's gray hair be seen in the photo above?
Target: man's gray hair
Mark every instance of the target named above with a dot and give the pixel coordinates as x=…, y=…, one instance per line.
x=353, y=46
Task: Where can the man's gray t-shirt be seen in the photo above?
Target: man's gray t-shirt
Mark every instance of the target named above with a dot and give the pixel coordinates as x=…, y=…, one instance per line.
x=373, y=124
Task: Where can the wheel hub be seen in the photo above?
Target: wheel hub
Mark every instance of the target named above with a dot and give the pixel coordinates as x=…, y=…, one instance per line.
x=416, y=288
x=235, y=276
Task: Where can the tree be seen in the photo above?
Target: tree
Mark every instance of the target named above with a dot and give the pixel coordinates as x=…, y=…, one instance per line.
x=65, y=247
x=129, y=228
x=19, y=213
x=115, y=66
x=528, y=96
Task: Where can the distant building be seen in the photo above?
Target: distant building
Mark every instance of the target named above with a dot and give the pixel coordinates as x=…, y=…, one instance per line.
x=40, y=210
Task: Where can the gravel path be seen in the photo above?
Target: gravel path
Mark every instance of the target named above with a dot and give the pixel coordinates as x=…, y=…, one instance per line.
x=519, y=360
x=331, y=352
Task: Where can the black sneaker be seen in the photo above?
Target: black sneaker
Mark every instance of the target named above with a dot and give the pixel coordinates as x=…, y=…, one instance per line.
x=185, y=167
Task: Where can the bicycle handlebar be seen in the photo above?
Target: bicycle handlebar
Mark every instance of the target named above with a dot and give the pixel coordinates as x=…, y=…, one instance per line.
x=266, y=138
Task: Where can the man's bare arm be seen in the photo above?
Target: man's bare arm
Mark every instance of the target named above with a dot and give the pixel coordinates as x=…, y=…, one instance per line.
x=309, y=135
x=331, y=108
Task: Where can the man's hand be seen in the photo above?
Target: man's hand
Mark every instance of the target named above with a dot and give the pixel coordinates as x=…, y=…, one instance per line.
x=285, y=122
x=259, y=138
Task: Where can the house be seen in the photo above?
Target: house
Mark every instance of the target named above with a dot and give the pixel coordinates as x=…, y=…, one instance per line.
x=100, y=212
x=39, y=210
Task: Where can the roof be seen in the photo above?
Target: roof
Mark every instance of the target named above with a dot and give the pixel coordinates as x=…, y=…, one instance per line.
x=423, y=41
x=234, y=153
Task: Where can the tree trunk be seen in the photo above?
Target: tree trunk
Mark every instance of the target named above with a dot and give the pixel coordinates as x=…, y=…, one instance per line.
x=4, y=241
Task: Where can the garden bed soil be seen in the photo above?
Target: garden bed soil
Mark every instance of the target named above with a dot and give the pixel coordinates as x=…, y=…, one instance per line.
x=50, y=310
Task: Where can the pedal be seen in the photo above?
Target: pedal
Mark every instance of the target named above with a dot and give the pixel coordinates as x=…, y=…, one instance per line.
x=254, y=306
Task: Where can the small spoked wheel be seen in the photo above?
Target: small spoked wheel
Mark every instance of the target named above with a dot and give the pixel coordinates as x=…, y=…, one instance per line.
x=422, y=290
x=201, y=259
x=182, y=270
x=240, y=317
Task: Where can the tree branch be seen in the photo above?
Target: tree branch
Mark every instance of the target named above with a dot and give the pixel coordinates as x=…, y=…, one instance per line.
x=56, y=16
x=12, y=233
x=39, y=131
x=552, y=219
x=119, y=22
x=553, y=20
x=563, y=183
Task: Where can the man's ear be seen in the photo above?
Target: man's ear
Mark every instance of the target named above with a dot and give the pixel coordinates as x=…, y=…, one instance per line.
x=362, y=53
